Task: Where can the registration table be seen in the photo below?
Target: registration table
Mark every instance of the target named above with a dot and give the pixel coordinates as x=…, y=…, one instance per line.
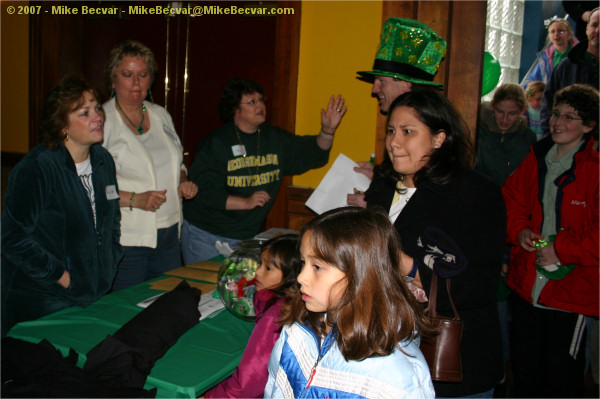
x=202, y=357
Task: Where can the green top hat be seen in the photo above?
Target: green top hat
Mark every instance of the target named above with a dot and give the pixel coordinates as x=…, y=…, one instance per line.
x=409, y=50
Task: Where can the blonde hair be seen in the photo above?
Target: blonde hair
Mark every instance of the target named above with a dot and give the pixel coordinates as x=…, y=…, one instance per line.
x=564, y=22
x=534, y=88
x=129, y=48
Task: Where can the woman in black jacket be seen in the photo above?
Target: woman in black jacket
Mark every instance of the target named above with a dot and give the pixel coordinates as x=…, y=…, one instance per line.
x=61, y=220
x=451, y=221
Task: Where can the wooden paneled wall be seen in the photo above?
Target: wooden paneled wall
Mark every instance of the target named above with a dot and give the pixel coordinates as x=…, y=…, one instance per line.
x=285, y=87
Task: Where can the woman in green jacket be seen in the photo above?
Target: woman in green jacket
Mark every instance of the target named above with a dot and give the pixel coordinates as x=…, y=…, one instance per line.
x=503, y=138
x=503, y=141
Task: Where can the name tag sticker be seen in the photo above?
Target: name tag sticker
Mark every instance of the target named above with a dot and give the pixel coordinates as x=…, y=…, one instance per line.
x=111, y=192
x=172, y=134
x=238, y=150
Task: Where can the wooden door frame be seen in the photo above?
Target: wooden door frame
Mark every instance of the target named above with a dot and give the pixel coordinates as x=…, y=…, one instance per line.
x=285, y=90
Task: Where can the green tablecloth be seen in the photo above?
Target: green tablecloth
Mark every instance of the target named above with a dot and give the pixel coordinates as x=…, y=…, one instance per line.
x=202, y=357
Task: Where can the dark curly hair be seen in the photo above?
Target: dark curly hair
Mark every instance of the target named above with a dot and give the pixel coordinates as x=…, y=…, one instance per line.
x=584, y=99
x=438, y=114
x=232, y=96
x=64, y=98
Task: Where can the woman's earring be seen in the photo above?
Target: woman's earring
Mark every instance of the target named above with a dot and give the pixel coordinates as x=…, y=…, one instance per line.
x=150, y=95
x=112, y=92
x=437, y=146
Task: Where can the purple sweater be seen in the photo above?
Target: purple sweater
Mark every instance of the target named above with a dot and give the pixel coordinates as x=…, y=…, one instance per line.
x=250, y=378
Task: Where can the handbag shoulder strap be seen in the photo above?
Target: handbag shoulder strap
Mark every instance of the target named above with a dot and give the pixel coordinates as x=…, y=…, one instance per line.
x=456, y=317
x=432, y=307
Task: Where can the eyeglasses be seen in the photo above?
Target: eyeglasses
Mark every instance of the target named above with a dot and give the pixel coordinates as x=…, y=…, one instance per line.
x=255, y=102
x=567, y=118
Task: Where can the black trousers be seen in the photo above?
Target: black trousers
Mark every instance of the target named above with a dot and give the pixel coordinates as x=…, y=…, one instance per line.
x=547, y=350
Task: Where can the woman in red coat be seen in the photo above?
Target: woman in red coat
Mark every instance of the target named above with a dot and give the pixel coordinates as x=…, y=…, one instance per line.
x=552, y=215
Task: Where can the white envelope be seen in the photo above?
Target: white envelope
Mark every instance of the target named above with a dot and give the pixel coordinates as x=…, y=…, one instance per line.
x=339, y=181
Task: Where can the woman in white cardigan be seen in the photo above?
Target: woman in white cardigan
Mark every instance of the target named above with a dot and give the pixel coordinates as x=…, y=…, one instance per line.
x=149, y=160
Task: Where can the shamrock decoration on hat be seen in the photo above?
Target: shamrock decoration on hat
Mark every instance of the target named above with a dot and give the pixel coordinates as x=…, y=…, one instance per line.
x=409, y=50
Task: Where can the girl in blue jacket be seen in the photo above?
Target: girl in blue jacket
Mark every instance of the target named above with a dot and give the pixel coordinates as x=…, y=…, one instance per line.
x=560, y=41
x=352, y=330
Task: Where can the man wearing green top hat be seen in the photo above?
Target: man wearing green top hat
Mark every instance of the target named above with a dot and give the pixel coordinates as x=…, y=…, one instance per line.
x=409, y=54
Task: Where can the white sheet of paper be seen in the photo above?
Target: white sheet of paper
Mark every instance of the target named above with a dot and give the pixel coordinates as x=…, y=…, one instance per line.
x=339, y=181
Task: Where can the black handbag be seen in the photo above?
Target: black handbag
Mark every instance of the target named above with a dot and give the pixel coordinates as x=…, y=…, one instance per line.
x=442, y=349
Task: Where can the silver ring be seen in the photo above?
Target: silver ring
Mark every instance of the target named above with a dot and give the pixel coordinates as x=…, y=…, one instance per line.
x=338, y=110
x=155, y=207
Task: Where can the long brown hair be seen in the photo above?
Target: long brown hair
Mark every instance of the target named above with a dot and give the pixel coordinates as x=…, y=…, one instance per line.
x=377, y=310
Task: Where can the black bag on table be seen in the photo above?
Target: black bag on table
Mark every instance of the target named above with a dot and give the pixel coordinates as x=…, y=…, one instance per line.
x=130, y=353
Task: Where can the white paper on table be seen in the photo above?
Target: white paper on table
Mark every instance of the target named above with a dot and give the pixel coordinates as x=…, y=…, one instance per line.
x=340, y=180
x=207, y=305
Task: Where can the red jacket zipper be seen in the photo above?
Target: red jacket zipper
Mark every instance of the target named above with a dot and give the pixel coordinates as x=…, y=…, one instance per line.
x=312, y=373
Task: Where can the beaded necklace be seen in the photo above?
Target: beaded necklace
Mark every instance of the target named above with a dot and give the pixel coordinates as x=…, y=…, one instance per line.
x=139, y=127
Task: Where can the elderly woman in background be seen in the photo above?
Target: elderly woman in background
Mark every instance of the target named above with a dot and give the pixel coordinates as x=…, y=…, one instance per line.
x=149, y=159
x=240, y=166
x=552, y=207
x=451, y=222
x=60, y=226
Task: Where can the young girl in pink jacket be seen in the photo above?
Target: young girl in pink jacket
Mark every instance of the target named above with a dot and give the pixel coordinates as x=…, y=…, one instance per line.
x=275, y=284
